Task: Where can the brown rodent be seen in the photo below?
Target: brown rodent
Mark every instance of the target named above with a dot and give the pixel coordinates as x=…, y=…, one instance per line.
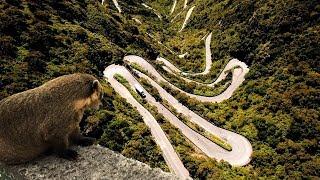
x=47, y=117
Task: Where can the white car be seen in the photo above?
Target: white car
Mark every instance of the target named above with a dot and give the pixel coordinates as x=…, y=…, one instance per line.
x=140, y=90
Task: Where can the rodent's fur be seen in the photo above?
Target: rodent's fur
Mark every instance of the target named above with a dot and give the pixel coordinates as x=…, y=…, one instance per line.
x=47, y=117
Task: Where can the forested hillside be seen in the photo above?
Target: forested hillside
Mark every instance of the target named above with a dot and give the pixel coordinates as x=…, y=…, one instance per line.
x=41, y=40
x=277, y=107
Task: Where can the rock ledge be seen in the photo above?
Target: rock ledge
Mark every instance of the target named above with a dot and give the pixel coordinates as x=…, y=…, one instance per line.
x=95, y=162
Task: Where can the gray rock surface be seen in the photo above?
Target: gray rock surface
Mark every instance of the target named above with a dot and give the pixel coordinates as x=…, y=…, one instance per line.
x=95, y=162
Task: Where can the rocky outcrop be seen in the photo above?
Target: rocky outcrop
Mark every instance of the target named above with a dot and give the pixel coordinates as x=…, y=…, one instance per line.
x=94, y=162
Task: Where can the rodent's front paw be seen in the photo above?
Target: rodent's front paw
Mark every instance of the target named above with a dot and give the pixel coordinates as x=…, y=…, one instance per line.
x=86, y=141
x=69, y=154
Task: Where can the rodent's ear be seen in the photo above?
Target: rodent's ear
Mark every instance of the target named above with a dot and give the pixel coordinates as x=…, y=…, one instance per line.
x=95, y=85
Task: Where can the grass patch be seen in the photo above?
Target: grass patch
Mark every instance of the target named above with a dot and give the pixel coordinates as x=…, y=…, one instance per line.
x=197, y=128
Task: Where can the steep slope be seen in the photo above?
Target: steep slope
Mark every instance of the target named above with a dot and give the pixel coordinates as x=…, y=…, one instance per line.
x=277, y=108
x=53, y=38
x=41, y=40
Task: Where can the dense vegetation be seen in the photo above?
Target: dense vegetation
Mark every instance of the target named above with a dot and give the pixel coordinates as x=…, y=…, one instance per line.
x=41, y=40
x=277, y=108
x=4, y=174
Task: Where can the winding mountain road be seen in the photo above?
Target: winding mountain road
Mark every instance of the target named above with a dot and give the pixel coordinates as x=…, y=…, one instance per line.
x=161, y=139
x=154, y=11
x=238, y=68
x=237, y=79
x=185, y=4
x=173, y=6
x=187, y=18
x=208, y=60
x=241, y=148
x=115, y=2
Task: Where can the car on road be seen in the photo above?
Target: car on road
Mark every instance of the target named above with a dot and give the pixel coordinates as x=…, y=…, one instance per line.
x=133, y=72
x=140, y=90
